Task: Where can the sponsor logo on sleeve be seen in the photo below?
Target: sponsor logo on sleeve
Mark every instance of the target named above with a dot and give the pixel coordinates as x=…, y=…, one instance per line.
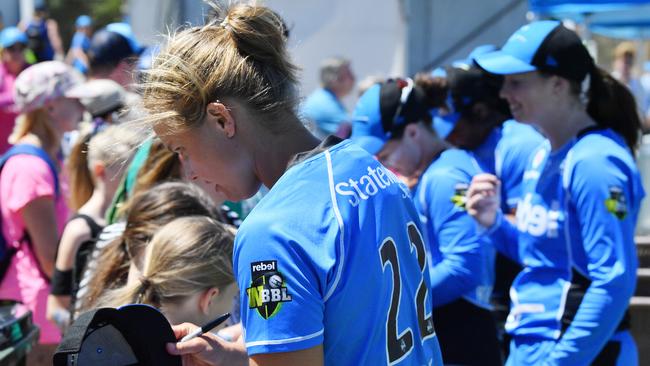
x=459, y=198
x=616, y=203
x=268, y=290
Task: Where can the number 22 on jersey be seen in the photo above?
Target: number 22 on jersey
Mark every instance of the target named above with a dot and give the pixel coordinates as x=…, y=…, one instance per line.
x=399, y=344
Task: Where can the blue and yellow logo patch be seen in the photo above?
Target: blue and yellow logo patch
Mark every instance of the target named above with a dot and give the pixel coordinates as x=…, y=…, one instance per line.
x=459, y=198
x=616, y=204
x=268, y=289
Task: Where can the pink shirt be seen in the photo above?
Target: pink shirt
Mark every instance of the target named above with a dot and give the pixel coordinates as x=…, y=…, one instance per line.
x=7, y=113
x=25, y=178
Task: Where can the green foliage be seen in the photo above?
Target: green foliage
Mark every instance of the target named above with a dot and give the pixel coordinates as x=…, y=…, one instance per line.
x=65, y=12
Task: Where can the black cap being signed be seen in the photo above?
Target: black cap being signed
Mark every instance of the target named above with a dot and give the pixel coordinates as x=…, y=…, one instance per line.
x=129, y=335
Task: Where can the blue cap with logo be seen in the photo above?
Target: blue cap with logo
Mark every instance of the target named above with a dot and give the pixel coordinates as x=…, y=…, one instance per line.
x=12, y=35
x=545, y=46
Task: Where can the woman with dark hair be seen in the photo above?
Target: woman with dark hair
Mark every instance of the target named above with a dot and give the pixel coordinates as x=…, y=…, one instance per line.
x=581, y=195
x=501, y=146
x=396, y=115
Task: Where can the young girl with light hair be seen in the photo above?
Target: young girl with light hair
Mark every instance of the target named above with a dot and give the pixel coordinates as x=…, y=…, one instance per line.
x=95, y=167
x=187, y=272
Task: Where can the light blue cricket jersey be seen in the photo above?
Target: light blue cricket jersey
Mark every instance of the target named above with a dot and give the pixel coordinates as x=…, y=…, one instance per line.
x=325, y=109
x=575, y=224
x=506, y=153
x=333, y=255
x=462, y=260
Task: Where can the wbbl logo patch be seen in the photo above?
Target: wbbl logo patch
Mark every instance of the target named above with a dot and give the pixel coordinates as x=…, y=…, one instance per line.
x=459, y=199
x=268, y=290
x=616, y=203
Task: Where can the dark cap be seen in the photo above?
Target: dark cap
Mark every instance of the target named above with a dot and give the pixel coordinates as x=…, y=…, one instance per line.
x=545, y=46
x=108, y=49
x=129, y=335
x=385, y=109
x=468, y=86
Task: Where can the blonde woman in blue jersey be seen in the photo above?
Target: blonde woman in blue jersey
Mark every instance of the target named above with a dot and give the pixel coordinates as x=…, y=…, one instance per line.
x=580, y=200
x=330, y=264
x=396, y=115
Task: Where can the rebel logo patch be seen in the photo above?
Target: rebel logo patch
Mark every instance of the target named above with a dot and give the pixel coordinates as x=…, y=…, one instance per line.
x=268, y=289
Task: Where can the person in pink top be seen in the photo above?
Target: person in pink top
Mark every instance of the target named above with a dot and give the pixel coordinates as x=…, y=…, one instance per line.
x=29, y=203
x=12, y=46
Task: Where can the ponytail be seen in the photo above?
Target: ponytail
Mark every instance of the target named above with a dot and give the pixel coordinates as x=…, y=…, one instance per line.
x=240, y=55
x=144, y=290
x=112, y=272
x=612, y=105
x=81, y=180
x=36, y=121
x=186, y=256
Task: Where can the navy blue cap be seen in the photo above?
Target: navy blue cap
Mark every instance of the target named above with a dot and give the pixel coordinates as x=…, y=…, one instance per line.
x=385, y=109
x=126, y=31
x=108, y=48
x=545, y=46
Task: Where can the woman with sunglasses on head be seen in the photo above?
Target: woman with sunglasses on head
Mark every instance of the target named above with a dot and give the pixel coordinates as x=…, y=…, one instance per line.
x=580, y=200
x=223, y=96
x=394, y=118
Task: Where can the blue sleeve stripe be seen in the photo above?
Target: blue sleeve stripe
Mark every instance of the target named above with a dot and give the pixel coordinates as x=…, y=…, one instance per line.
x=272, y=342
x=337, y=213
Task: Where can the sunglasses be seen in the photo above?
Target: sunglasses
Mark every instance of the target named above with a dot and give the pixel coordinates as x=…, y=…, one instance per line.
x=16, y=48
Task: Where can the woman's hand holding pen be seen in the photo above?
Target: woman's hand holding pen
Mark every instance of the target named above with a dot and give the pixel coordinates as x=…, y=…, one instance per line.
x=206, y=349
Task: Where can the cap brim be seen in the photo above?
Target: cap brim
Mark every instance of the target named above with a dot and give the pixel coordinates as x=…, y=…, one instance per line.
x=79, y=91
x=147, y=331
x=369, y=143
x=501, y=63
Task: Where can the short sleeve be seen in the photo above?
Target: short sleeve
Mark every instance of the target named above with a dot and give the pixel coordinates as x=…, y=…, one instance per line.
x=282, y=304
x=24, y=179
x=77, y=41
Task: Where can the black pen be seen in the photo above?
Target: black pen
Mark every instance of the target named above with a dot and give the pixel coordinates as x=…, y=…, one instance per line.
x=207, y=327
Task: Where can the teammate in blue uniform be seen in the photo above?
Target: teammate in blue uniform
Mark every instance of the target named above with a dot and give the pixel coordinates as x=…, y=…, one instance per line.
x=501, y=146
x=580, y=199
x=396, y=113
x=331, y=265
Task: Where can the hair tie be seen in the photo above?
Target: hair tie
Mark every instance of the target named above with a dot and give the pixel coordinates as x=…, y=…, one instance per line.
x=145, y=284
x=224, y=24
